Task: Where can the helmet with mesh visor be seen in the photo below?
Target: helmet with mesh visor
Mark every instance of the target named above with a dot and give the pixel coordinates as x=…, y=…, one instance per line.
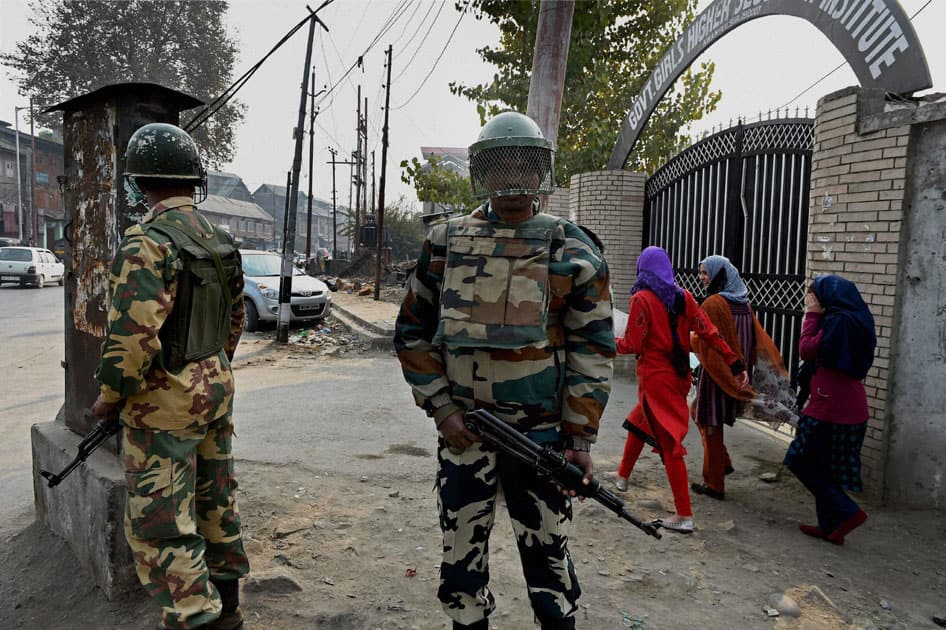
x=511, y=157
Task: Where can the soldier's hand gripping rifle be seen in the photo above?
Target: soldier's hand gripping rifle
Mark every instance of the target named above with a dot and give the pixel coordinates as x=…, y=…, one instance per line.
x=103, y=430
x=548, y=462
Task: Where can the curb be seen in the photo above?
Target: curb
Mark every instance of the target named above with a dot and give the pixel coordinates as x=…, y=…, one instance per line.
x=378, y=337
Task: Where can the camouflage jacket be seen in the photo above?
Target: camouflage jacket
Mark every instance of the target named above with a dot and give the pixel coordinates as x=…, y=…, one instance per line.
x=560, y=378
x=143, y=283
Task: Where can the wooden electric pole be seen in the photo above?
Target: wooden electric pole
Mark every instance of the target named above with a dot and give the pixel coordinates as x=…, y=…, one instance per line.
x=288, y=246
x=549, y=63
x=384, y=162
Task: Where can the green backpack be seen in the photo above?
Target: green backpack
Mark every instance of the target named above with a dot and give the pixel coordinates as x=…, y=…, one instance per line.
x=199, y=324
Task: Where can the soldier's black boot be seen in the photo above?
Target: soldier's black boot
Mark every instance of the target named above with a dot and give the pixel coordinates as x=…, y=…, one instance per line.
x=482, y=624
x=232, y=617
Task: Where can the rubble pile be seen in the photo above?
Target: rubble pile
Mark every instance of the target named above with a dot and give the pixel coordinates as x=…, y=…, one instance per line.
x=364, y=286
x=323, y=338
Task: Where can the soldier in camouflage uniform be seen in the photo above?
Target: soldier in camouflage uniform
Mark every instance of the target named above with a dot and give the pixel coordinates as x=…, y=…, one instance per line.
x=175, y=319
x=509, y=310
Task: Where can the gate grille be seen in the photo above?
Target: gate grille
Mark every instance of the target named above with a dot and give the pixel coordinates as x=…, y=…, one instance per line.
x=743, y=193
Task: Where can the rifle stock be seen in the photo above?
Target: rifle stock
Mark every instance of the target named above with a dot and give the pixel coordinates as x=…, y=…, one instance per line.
x=548, y=462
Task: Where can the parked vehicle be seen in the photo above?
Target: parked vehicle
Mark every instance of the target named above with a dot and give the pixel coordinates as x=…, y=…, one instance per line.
x=30, y=265
x=311, y=299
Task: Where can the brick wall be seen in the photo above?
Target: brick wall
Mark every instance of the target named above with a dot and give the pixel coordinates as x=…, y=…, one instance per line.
x=855, y=221
x=557, y=203
x=611, y=203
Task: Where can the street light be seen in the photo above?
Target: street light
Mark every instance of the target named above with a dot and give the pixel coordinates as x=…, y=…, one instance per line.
x=19, y=192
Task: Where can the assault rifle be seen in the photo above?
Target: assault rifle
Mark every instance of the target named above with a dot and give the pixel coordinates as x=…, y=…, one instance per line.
x=103, y=430
x=548, y=462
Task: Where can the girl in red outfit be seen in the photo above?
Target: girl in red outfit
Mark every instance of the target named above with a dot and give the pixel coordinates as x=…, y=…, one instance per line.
x=661, y=316
x=838, y=341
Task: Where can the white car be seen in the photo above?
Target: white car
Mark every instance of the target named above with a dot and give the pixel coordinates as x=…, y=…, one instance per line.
x=311, y=299
x=30, y=265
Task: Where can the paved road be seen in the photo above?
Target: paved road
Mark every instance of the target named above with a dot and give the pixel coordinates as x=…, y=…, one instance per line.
x=348, y=415
x=31, y=389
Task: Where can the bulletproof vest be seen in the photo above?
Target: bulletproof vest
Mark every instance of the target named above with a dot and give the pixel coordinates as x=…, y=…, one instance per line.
x=495, y=290
x=199, y=324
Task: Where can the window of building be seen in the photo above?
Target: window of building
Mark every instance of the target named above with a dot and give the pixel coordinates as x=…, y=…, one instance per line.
x=9, y=168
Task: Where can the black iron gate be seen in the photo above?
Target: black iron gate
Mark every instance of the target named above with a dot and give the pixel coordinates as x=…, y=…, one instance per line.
x=742, y=193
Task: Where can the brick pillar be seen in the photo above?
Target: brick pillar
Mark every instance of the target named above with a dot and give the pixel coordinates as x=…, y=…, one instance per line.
x=611, y=203
x=860, y=208
x=557, y=203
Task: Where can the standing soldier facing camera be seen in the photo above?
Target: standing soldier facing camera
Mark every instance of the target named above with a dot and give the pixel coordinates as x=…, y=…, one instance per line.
x=508, y=310
x=175, y=318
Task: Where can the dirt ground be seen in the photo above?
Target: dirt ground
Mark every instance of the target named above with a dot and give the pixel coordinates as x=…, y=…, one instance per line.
x=344, y=552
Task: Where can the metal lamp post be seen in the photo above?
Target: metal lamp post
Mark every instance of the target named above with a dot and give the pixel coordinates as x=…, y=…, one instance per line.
x=19, y=183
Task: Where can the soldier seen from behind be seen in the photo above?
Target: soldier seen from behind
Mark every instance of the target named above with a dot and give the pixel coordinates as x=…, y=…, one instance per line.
x=175, y=318
x=508, y=310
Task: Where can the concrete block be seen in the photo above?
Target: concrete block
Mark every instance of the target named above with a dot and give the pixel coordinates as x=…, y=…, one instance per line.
x=87, y=509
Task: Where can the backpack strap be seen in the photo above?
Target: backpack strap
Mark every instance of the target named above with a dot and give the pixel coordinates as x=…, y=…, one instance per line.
x=170, y=231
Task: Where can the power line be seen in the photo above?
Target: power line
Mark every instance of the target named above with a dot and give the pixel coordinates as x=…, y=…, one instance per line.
x=842, y=64
x=211, y=108
x=439, y=57
x=392, y=19
x=424, y=39
x=408, y=22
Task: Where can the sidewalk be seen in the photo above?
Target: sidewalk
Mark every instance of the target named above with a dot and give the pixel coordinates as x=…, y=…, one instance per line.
x=370, y=318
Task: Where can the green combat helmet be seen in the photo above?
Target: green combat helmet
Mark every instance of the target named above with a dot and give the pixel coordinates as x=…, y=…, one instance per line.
x=163, y=151
x=511, y=157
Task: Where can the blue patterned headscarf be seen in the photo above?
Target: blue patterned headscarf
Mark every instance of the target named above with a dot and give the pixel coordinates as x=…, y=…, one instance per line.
x=731, y=287
x=848, y=339
x=655, y=273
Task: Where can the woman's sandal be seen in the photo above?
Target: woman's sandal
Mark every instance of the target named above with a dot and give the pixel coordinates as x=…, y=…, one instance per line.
x=681, y=527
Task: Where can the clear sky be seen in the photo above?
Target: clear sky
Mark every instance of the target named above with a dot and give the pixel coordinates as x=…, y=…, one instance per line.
x=759, y=66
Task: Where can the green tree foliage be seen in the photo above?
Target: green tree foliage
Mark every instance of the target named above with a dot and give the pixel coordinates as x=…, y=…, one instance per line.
x=405, y=230
x=614, y=47
x=403, y=225
x=438, y=183
x=80, y=45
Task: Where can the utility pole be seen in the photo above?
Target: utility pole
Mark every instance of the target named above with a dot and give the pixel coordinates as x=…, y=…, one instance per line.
x=351, y=183
x=19, y=181
x=308, y=223
x=373, y=207
x=548, y=65
x=357, y=173
x=364, y=160
x=288, y=248
x=312, y=114
x=36, y=241
x=384, y=161
x=334, y=152
x=334, y=208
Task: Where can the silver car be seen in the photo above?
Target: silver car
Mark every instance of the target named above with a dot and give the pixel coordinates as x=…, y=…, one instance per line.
x=311, y=299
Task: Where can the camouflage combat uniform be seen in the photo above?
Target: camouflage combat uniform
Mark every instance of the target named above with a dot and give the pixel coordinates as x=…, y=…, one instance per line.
x=514, y=318
x=181, y=518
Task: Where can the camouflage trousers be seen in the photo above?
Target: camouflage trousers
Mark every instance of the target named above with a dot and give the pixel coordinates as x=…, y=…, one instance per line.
x=467, y=485
x=181, y=518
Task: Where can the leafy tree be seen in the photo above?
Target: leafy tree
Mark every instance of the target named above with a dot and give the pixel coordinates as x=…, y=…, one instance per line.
x=403, y=225
x=438, y=183
x=80, y=45
x=405, y=230
x=614, y=47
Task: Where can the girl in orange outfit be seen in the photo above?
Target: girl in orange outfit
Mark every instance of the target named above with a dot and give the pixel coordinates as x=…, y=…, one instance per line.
x=661, y=316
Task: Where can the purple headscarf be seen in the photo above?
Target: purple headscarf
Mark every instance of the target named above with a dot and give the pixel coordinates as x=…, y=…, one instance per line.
x=655, y=273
